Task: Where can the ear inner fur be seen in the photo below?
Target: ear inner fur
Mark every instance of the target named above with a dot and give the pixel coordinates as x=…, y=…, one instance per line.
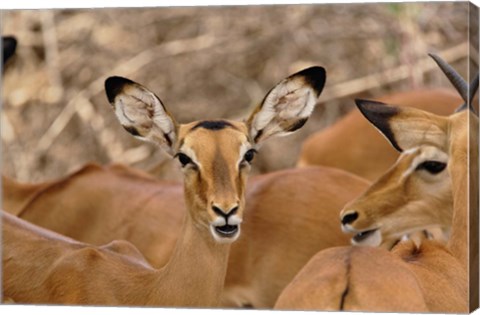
x=287, y=106
x=379, y=114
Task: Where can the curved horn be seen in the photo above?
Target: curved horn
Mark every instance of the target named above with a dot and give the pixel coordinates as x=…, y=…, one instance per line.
x=471, y=93
x=473, y=88
x=452, y=75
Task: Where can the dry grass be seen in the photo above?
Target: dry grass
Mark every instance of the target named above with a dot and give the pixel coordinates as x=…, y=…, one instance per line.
x=203, y=62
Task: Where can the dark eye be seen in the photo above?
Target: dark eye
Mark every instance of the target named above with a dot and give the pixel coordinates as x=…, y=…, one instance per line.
x=433, y=167
x=184, y=159
x=249, y=155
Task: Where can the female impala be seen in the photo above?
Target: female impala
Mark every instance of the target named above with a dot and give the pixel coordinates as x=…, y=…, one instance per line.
x=286, y=212
x=437, y=273
x=416, y=192
x=215, y=157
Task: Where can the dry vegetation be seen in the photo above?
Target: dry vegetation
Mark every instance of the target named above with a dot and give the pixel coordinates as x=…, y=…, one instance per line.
x=204, y=62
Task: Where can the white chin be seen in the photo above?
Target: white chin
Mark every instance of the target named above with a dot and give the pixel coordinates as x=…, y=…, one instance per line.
x=222, y=239
x=374, y=239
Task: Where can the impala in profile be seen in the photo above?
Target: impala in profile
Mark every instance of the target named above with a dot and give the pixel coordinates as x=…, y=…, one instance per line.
x=416, y=192
x=431, y=276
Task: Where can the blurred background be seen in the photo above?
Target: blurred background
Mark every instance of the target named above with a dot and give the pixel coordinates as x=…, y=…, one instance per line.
x=205, y=62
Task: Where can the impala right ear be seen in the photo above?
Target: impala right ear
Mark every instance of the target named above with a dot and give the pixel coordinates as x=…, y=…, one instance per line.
x=405, y=127
x=288, y=105
x=141, y=112
x=9, y=45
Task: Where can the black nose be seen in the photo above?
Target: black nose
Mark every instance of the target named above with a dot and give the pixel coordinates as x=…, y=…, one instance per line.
x=349, y=218
x=224, y=214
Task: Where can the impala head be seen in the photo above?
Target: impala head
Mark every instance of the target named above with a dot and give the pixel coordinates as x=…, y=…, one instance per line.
x=398, y=202
x=417, y=191
x=215, y=155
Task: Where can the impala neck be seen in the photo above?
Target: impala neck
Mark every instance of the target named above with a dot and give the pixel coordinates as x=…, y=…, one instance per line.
x=195, y=273
x=462, y=153
x=459, y=234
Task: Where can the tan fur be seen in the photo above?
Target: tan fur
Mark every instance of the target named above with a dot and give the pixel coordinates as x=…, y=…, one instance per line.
x=366, y=153
x=354, y=279
x=439, y=271
x=285, y=225
x=99, y=204
x=17, y=196
x=441, y=277
x=405, y=199
x=450, y=134
x=220, y=180
x=51, y=268
x=306, y=215
x=408, y=279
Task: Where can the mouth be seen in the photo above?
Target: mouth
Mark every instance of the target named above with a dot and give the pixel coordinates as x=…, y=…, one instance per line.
x=369, y=238
x=227, y=230
x=359, y=237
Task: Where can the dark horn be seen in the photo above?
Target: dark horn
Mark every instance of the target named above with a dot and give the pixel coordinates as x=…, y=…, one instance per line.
x=471, y=92
x=473, y=88
x=452, y=75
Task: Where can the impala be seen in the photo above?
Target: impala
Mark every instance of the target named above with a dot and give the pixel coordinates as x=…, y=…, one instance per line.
x=286, y=212
x=215, y=156
x=416, y=192
x=435, y=271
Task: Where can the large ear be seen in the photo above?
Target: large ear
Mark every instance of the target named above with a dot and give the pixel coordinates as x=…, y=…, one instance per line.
x=9, y=45
x=288, y=105
x=405, y=127
x=141, y=112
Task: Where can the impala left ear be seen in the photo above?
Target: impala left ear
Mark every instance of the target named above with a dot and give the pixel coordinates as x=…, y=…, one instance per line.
x=288, y=105
x=405, y=127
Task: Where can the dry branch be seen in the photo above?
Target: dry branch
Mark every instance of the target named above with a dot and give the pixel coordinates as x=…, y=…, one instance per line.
x=51, y=53
x=7, y=131
x=474, y=54
x=390, y=76
x=238, y=57
x=127, y=67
